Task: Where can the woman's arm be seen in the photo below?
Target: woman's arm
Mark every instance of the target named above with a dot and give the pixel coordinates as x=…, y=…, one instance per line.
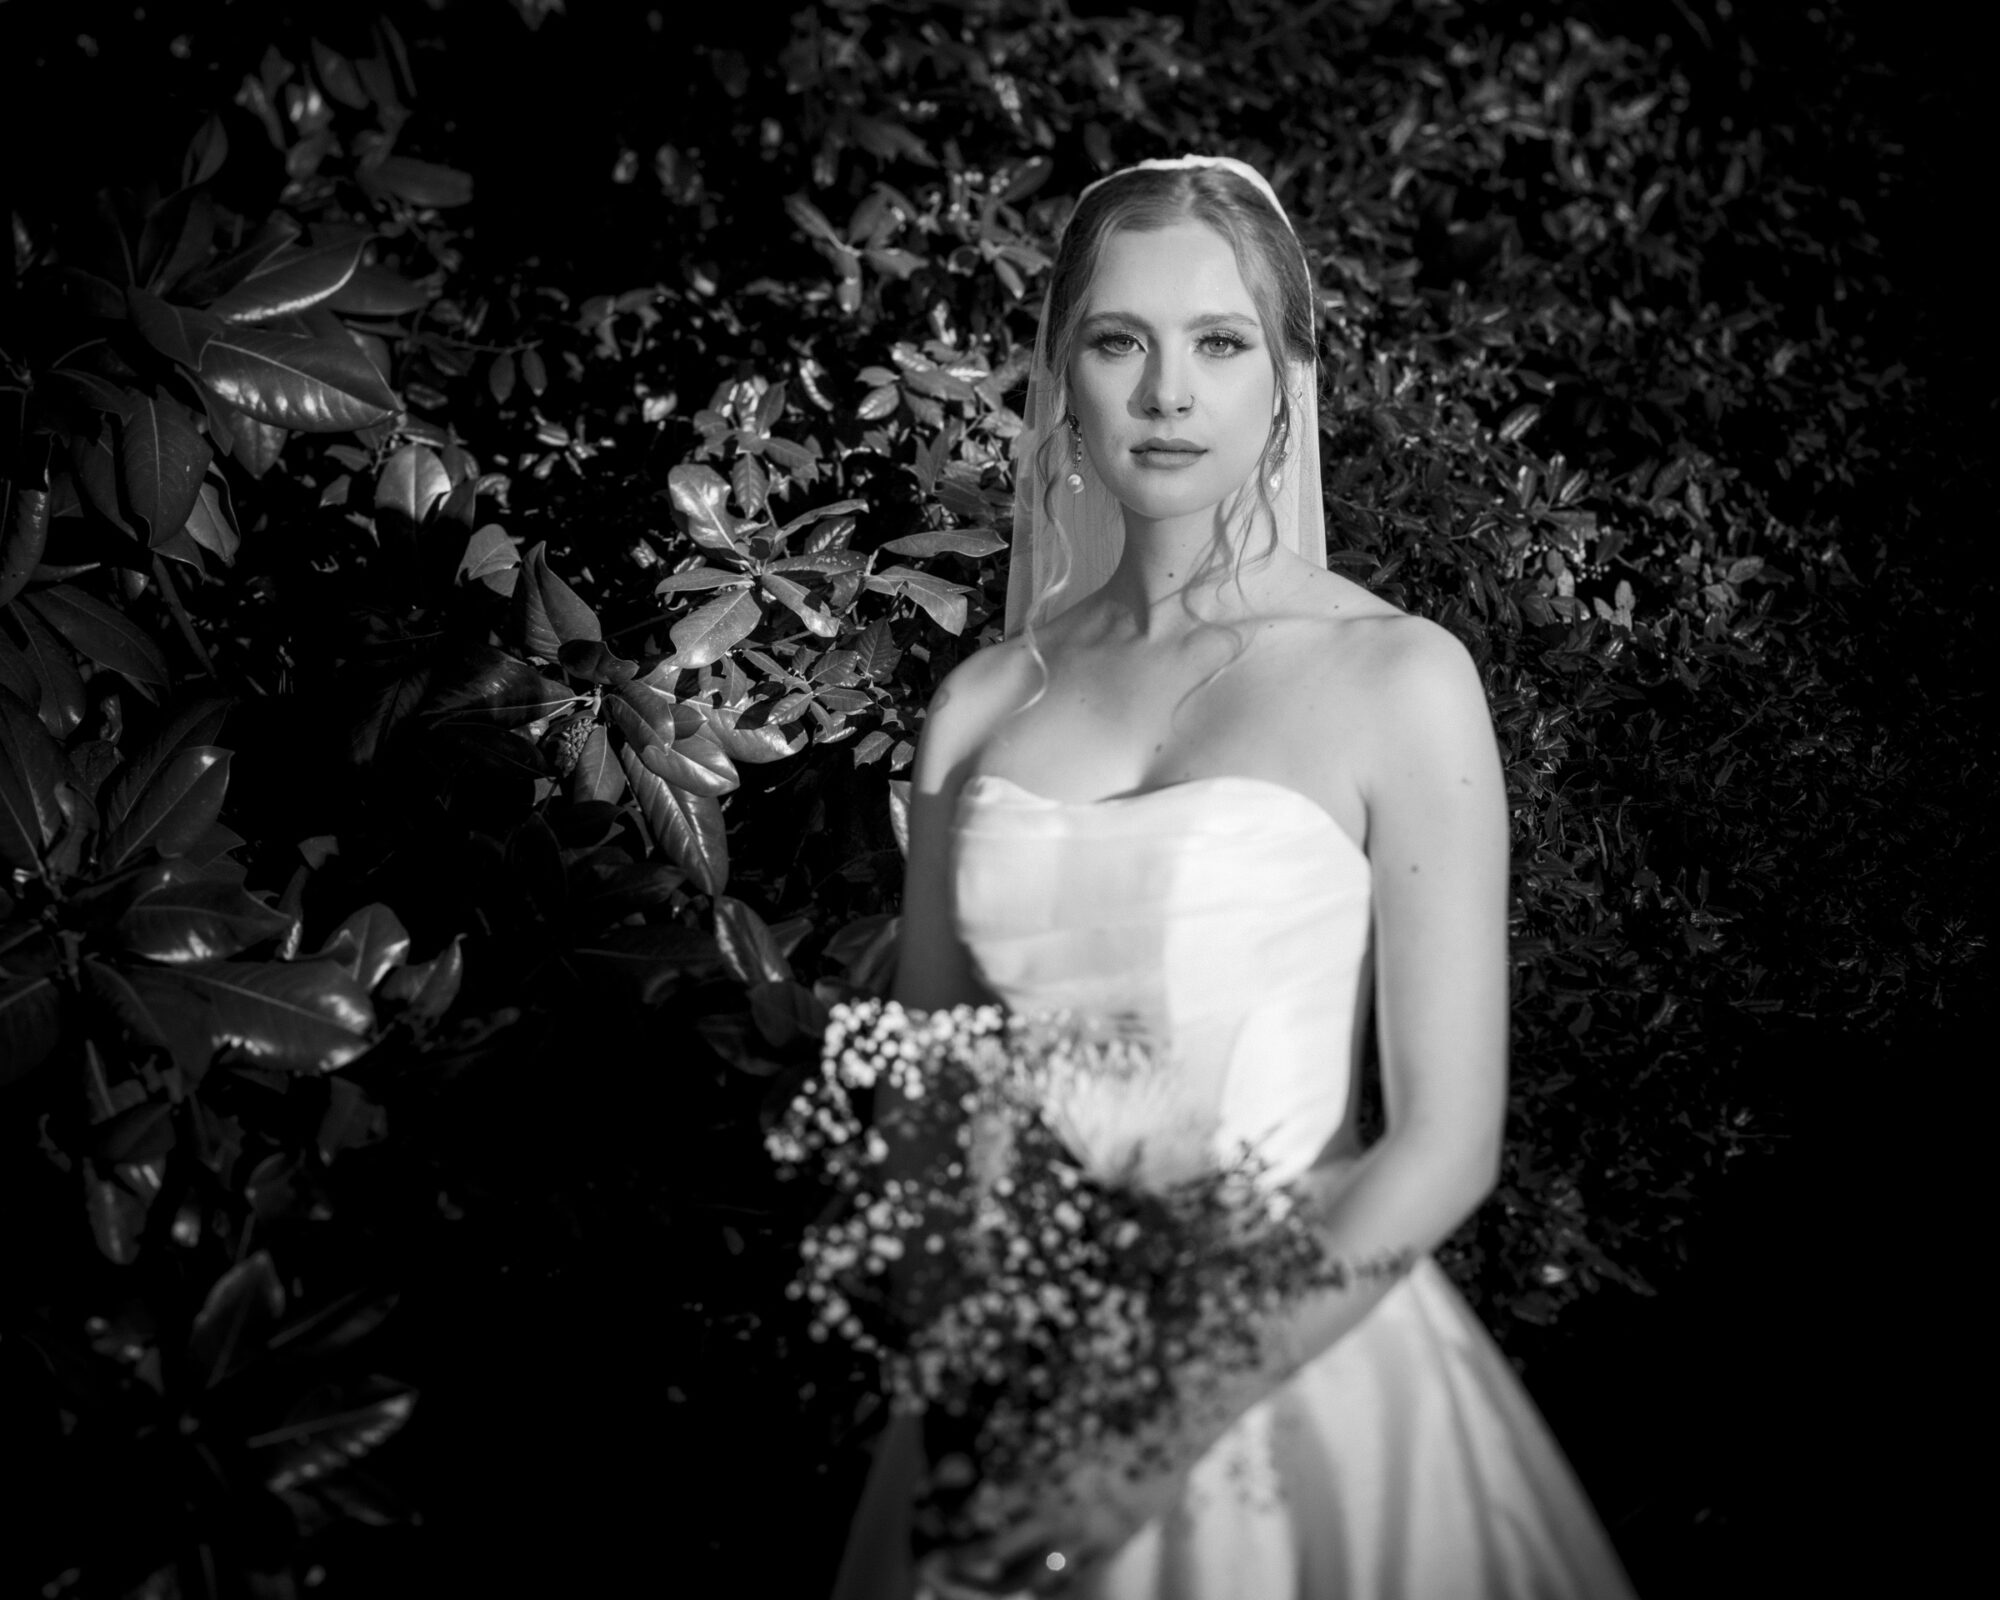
x=1437, y=844
x=933, y=969
x=932, y=966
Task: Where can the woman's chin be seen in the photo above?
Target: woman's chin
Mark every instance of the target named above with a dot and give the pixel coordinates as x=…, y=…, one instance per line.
x=1152, y=500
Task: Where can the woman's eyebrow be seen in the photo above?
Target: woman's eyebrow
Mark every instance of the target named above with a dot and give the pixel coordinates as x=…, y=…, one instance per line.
x=1205, y=319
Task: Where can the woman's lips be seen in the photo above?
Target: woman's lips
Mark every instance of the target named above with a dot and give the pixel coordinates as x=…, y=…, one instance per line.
x=1164, y=455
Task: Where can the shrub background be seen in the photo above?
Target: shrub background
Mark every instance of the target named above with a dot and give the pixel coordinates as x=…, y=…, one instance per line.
x=489, y=491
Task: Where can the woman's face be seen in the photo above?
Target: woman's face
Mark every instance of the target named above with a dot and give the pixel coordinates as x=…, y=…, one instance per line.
x=1172, y=382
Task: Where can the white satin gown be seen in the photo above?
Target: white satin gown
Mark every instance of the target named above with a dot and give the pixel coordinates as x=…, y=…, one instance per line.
x=1231, y=917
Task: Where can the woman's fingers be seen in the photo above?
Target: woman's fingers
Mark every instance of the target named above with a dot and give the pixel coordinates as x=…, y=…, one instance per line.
x=1033, y=1558
x=985, y=1579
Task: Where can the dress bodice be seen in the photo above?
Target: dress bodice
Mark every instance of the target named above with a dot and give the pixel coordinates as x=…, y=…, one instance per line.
x=1226, y=916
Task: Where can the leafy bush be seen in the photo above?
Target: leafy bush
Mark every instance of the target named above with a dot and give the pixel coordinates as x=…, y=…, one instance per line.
x=570, y=560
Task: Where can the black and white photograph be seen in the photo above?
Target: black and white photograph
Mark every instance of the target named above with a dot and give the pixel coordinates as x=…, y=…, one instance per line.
x=981, y=799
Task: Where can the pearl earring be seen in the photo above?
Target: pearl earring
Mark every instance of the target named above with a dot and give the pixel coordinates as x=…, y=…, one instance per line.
x=1277, y=478
x=1075, y=478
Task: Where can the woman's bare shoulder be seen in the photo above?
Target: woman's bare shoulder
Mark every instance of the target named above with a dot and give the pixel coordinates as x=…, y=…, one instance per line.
x=1389, y=670
x=1420, y=686
x=974, y=696
x=1305, y=593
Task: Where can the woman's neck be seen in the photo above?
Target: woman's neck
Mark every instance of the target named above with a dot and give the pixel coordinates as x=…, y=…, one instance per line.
x=1166, y=564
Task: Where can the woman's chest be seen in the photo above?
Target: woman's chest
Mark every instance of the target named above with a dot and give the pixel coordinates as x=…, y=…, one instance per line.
x=1117, y=725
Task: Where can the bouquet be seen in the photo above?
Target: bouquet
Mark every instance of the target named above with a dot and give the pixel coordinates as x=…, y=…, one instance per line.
x=1030, y=1233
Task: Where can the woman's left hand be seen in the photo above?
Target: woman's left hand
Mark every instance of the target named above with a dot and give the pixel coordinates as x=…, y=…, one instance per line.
x=1070, y=1528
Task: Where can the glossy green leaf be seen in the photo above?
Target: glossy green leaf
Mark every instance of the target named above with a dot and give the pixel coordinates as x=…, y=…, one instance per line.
x=63, y=698
x=338, y=77
x=177, y=332
x=552, y=613
x=694, y=762
x=794, y=598
x=594, y=661
x=747, y=945
x=375, y=291
x=206, y=152
x=488, y=552
x=689, y=828
x=24, y=535
x=944, y=601
x=876, y=652
x=291, y=279
x=147, y=1012
x=899, y=812
x=712, y=632
x=413, y=484
x=209, y=523
x=333, y=1327
x=752, y=485
x=426, y=992
x=784, y=1011
x=701, y=495
x=276, y=232
x=488, y=685
x=241, y=1311
x=973, y=542
x=755, y=743
x=116, y=1212
x=304, y=384
x=178, y=235
x=353, y=1119
x=701, y=578
x=300, y=1016
x=597, y=775
x=643, y=715
x=95, y=466
x=330, y=1428
x=193, y=723
x=203, y=919
x=368, y=944
x=102, y=633
x=256, y=445
x=173, y=811
x=17, y=677
x=821, y=517
x=93, y=391
x=31, y=768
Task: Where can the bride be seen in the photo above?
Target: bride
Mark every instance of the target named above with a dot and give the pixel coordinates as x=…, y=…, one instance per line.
x=1209, y=784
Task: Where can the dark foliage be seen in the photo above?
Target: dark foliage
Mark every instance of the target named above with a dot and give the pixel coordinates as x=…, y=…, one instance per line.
x=528, y=470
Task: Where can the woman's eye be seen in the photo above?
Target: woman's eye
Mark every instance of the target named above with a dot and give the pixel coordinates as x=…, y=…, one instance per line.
x=1115, y=344
x=1222, y=344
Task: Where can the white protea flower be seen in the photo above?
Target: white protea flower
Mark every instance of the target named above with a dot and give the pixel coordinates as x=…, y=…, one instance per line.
x=1127, y=1113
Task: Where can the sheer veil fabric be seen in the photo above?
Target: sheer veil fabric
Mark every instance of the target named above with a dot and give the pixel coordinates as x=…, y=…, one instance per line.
x=1050, y=572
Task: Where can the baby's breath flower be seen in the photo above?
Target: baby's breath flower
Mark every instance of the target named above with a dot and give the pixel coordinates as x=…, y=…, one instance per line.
x=1063, y=1257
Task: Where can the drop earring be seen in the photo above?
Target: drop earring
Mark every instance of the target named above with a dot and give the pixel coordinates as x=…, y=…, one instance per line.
x=1277, y=478
x=1075, y=478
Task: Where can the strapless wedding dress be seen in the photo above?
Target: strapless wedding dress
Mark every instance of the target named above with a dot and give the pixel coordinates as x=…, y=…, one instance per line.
x=1230, y=917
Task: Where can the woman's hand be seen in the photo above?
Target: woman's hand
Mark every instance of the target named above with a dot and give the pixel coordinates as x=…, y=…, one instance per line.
x=1070, y=1527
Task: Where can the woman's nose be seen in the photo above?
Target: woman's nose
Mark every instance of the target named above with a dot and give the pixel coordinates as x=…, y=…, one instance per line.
x=1169, y=393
